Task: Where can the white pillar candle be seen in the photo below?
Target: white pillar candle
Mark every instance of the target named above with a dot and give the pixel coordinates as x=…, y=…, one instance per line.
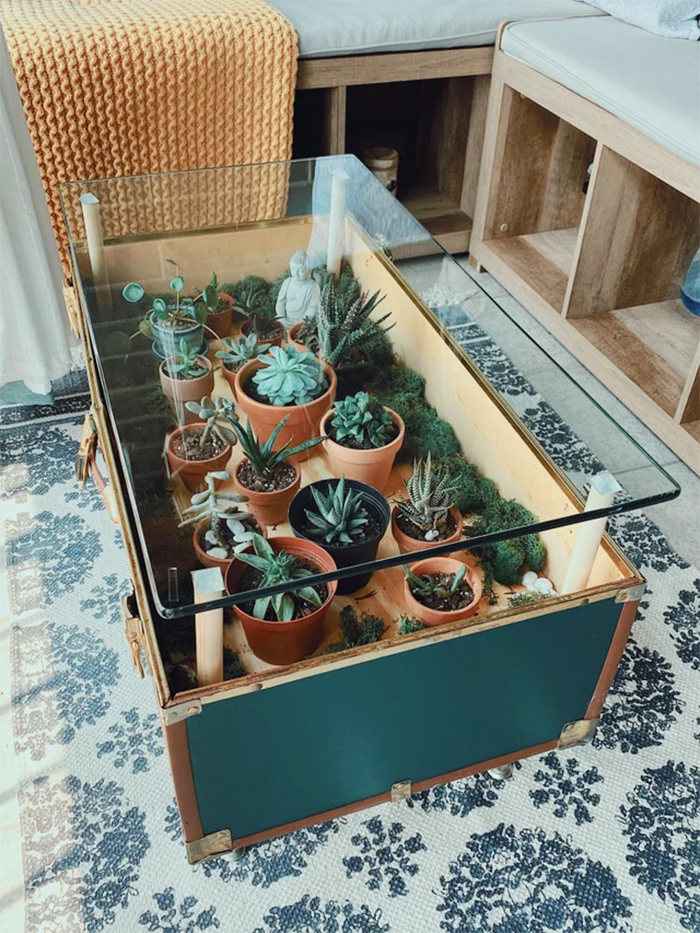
x=92, y=216
x=209, y=626
x=604, y=486
x=336, y=222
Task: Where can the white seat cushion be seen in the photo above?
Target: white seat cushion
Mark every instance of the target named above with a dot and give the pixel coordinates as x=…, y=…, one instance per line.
x=329, y=28
x=650, y=82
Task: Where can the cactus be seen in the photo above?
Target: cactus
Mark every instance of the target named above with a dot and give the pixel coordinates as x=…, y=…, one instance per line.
x=213, y=413
x=362, y=420
x=429, y=498
x=339, y=517
x=241, y=351
x=428, y=585
x=344, y=328
x=226, y=533
x=276, y=568
x=263, y=457
x=290, y=377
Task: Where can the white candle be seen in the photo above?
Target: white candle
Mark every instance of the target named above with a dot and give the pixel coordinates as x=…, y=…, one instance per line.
x=604, y=486
x=209, y=626
x=336, y=223
x=92, y=216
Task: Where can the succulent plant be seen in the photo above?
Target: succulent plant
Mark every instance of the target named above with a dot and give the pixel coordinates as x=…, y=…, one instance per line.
x=279, y=567
x=429, y=498
x=428, y=585
x=186, y=363
x=344, y=328
x=252, y=296
x=172, y=312
x=363, y=420
x=290, y=377
x=213, y=413
x=263, y=457
x=339, y=517
x=210, y=294
x=226, y=534
x=241, y=351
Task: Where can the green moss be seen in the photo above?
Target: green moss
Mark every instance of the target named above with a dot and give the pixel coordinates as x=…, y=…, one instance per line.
x=380, y=348
x=507, y=557
x=535, y=553
x=252, y=285
x=398, y=380
x=357, y=630
x=465, y=482
x=408, y=625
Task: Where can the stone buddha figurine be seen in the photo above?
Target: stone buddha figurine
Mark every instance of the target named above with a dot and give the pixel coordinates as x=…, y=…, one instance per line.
x=300, y=296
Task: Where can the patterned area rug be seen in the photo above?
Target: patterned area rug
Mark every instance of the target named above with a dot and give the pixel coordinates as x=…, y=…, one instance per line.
x=602, y=838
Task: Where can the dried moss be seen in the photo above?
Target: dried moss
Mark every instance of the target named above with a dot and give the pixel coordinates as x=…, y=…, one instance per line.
x=232, y=665
x=408, y=625
x=357, y=630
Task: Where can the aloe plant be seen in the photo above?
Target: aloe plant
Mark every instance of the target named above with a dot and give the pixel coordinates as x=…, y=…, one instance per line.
x=241, y=351
x=290, y=377
x=339, y=517
x=226, y=534
x=275, y=568
x=345, y=329
x=363, y=420
x=186, y=363
x=218, y=415
x=428, y=585
x=263, y=457
x=429, y=498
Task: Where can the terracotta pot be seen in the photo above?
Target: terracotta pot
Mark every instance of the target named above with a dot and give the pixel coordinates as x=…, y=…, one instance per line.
x=180, y=391
x=407, y=544
x=432, y=617
x=166, y=339
x=292, y=338
x=204, y=559
x=303, y=421
x=269, y=507
x=367, y=466
x=230, y=377
x=220, y=321
x=192, y=472
x=247, y=329
x=285, y=642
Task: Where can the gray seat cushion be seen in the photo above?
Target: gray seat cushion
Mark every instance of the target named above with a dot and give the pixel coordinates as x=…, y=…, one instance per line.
x=329, y=28
x=649, y=81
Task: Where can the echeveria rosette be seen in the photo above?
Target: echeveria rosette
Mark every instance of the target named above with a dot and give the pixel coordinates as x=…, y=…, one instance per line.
x=340, y=516
x=290, y=377
x=362, y=419
x=278, y=567
x=241, y=351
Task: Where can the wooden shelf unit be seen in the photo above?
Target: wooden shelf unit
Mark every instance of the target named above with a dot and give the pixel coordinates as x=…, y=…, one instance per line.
x=601, y=270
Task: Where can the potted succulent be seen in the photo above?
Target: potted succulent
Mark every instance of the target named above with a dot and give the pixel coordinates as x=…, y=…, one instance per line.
x=441, y=589
x=264, y=329
x=284, y=383
x=267, y=476
x=237, y=353
x=426, y=516
x=193, y=450
x=185, y=378
x=345, y=517
x=219, y=307
x=287, y=627
x=363, y=439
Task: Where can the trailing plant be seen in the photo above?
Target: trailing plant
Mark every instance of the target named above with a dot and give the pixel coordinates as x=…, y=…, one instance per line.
x=186, y=363
x=357, y=630
x=241, y=351
x=362, y=420
x=340, y=517
x=226, y=531
x=429, y=585
x=276, y=568
x=407, y=625
x=344, y=330
x=219, y=416
x=429, y=498
x=290, y=377
x=263, y=457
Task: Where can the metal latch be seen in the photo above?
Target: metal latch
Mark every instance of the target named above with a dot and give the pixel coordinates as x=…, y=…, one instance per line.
x=208, y=846
x=86, y=451
x=579, y=732
x=174, y=714
x=133, y=630
x=400, y=791
x=632, y=594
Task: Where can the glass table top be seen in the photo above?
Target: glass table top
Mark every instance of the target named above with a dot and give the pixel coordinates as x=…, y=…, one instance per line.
x=192, y=284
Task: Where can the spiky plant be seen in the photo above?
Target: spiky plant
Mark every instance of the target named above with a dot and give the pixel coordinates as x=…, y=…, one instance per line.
x=226, y=533
x=185, y=363
x=428, y=585
x=362, y=420
x=429, y=498
x=218, y=415
x=263, y=457
x=339, y=517
x=275, y=568
x=290, y=377
x=241, y=351
x=344, y=328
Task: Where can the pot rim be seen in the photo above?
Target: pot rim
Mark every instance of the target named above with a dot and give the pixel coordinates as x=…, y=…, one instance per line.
x=450, y=615
x=370, y=497
x=180, y=330
x=188, y=427
x=455, y=536
x=283, y=409
x=273, y=492
x=398, y=440
x=200, y=356
x=229, y=299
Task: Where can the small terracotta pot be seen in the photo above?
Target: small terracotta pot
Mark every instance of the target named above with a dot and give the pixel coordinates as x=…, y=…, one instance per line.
x=285, y=642
x=230, y=377
x=292, y=334
x=407, y=544
x=220, y=321
x=269, y=507
x=247, y=329
x=303, y=421
x=180, y=391
x=192, y=472
x=367, y=466
x=204, y=559
x=432, y=617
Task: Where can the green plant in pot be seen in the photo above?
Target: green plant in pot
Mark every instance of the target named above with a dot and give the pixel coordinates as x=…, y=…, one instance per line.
x=253, y=296
x=236, y=353
x=426, y=515
x=221, y=528
x=286, y=382
x=347, y=518
x=193, y=450
x=219, y=307
x=288, y=626
x=267, y=476
x=363, y=439
x=441, y=589
x=185, y=378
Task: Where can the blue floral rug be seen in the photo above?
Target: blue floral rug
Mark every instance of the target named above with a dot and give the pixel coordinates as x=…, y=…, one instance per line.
x=602, y=838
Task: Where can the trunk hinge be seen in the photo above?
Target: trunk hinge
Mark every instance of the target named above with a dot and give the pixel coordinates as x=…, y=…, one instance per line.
x=133, y=630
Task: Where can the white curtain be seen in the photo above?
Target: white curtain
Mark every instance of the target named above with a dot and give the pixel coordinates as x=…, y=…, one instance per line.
x=36, y=343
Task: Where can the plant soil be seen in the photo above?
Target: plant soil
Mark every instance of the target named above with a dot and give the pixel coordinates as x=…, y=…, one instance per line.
x=233, y=367
x=370, y=531
x=176, y=324
x=250, y=580
x=186, y=445
x=265, y=329
x=462, y=596
x=413, y=531
x=353, y=445
x=194, y=373
x=281, y=477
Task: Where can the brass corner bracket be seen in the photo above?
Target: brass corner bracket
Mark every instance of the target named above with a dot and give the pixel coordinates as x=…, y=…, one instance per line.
x=580, y=732
x=209, y=846
x=632, y=594
x=400, y=791
x=175, y=714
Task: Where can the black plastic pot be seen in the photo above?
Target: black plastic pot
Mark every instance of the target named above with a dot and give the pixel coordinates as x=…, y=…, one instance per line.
x=348, y=555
